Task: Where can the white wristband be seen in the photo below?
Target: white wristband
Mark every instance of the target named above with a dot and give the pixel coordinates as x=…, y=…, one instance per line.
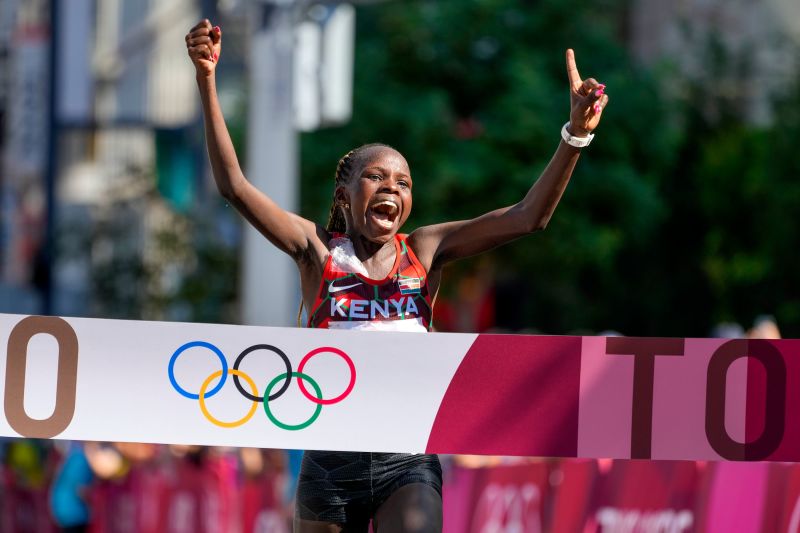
x=577, y=142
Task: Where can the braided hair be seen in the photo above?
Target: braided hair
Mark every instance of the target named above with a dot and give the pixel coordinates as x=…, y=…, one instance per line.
x=336, y=220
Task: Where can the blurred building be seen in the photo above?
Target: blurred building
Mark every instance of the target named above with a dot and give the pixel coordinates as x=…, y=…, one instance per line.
x=23, y=116
x=745, y=50
x=100, y=127
x=129, y=159
x=116, y=140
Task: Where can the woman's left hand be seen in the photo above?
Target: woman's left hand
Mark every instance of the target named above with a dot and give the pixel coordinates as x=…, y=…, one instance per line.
x=587, y=100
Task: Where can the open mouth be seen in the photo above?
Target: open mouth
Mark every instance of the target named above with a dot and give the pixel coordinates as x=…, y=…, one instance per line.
x=384, y=213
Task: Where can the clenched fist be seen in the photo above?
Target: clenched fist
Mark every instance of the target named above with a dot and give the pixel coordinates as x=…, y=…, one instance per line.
x=204, y=45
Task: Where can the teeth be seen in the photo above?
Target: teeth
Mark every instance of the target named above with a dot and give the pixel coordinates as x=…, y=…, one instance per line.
x=392, y=205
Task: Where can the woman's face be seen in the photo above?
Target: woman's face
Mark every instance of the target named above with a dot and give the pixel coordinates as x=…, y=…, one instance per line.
x=379, y=194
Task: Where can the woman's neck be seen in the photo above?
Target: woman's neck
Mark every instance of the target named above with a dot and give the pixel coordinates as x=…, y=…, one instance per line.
x=377, y=258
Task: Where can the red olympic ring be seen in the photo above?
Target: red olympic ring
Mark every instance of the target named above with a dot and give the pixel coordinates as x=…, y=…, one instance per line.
x=350, y=364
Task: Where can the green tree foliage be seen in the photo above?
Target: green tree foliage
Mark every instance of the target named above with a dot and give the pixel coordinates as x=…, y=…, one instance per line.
x=151, y=262
x=673, y=220
x=474, y=95
x=731, y=239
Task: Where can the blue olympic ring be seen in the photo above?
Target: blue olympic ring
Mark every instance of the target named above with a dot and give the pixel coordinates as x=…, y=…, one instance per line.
x=201, y=344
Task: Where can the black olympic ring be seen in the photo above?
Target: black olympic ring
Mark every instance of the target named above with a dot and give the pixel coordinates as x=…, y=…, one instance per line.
x=286, y=382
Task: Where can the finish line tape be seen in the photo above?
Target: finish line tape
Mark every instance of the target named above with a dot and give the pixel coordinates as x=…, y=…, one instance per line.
x=222, y=385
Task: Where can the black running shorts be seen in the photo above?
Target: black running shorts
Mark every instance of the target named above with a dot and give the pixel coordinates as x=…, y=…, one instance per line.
x=348, y=487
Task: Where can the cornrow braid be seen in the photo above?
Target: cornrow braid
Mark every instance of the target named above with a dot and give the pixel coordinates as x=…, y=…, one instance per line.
x=336, y=220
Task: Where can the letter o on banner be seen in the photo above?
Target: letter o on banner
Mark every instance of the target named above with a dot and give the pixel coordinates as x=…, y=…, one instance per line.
x=17, y=356
x=775, y=404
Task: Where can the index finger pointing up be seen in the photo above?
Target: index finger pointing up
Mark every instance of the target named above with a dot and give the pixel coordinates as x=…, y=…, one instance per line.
x=575, y=81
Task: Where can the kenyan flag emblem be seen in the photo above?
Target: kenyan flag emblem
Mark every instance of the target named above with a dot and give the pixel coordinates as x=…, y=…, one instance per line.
x=409, y=285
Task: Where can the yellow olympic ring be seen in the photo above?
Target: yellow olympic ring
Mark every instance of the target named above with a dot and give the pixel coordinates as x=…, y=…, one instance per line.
x=208, y=415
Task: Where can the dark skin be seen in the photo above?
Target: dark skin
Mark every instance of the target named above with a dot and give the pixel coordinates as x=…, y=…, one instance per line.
x=376, y=200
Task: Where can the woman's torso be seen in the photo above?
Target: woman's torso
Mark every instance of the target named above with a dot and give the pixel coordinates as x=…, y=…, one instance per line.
x=347, y=299
x=333, y=484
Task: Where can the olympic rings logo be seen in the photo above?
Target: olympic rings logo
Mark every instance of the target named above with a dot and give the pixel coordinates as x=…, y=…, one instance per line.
x=253, y=395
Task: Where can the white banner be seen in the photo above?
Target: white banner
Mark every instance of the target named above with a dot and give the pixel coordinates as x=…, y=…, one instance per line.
x=140, y=381
x=552, y=396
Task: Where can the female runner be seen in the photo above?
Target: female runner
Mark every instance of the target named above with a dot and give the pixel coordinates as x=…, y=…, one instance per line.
x=359, y=272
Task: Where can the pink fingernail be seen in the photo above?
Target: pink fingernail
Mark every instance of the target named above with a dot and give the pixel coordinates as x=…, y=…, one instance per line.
x=602, y=86
x=217, y=29
x=216, y=56
x=598, y=92
x=596, y=108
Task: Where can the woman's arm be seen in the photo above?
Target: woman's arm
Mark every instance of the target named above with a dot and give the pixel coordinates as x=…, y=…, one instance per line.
x=440, y=243
x=289, y=232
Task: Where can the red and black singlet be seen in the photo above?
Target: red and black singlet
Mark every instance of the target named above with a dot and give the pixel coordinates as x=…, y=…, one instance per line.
x=398, y=302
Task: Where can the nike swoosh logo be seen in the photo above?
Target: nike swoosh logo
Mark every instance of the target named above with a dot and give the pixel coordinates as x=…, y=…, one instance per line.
x=332, y=289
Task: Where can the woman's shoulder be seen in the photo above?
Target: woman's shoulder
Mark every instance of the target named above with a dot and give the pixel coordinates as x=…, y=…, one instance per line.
x=420, y=241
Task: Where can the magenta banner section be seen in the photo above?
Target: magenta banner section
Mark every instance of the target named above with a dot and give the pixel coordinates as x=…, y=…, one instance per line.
x=624, y=397
x=512, y=395
x=601, y=496
x=783, y=412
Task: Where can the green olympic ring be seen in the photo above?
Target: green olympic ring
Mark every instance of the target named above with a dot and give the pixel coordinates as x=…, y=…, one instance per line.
x=277, y=422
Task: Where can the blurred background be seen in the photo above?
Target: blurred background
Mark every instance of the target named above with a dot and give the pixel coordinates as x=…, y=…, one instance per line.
x=677, y=221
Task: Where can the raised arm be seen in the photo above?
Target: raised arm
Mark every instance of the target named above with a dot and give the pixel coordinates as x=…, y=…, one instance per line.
x=289, y=232
x=441, y=243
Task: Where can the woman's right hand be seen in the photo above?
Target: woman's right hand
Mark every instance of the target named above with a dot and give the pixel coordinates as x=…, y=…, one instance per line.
x=204, y=45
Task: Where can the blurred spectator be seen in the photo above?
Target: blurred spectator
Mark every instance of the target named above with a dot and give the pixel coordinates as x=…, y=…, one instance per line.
x=105, y=461
x=472, y=307
x=764, y=327
x=68, y=495
x=727, y=330
x=262, y=499
x=29, y=465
